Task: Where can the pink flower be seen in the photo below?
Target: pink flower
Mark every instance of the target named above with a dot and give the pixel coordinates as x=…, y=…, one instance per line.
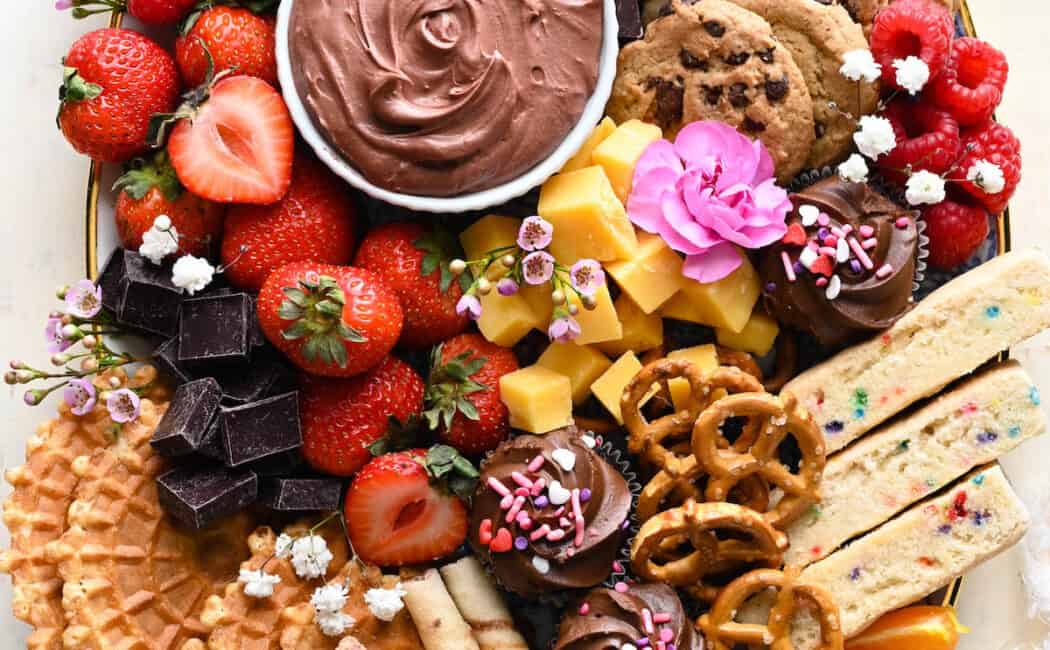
x=80, y=394
x=538, y=267
x=63, y=5
x=709, y=192
x=587, y=276
x=56, y=340
x=507, y=287
x=535, y=234
x=563, y=330
x=84, y=299
x=123, y=405
x=469, y=305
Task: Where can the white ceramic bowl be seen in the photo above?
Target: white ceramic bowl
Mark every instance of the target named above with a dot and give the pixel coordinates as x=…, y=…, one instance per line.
x=592, y=114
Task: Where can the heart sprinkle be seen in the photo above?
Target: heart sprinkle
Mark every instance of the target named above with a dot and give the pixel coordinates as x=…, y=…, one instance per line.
x=565, y=458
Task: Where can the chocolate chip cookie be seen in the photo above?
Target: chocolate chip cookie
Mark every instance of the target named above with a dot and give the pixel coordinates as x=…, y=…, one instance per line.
x=714, y=60
x=818, y=35
x=864, y=11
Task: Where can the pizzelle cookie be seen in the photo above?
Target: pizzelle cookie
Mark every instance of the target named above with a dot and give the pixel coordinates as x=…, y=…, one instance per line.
x=818, y=36
x=717, y=61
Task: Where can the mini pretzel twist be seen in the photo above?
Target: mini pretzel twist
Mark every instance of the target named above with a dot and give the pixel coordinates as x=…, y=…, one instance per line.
x=722, y=632
x=770, y=421
x=699, y=524
x=738, y=359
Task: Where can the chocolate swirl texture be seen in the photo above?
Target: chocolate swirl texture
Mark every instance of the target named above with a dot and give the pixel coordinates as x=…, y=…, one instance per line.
x=613, y=620
x=873, y=286
x=545, y=550
x=444, y=97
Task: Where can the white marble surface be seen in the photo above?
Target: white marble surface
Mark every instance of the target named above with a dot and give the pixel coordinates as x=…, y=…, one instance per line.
x=42, y=240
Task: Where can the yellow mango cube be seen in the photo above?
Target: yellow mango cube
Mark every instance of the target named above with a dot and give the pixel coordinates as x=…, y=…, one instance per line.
x=619, y=153
x=652, y=275
x=610, y=386
x=727, y=303
x=487, y=234
x=580, y=363
x=703, y=356
x=757, y=337
x=538, y=399
x=505, y=320
x=588, y=219
x=539, y=299
x=641, y=331
x=598, y=324
x=583, y=157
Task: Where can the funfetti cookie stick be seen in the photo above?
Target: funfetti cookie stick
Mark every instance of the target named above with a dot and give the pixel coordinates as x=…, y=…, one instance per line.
x=481, y=605
x=438, y=621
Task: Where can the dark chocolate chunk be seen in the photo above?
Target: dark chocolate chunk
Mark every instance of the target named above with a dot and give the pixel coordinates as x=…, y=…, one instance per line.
x=286, y=464
x=255, y=333
x=753, y=126
x=166, y=358
x=184, y=425
x=692, y=61
x=264, y=376
x=712, y=94
x=667, y=109
x=629, y=15
x=261, y=429
x=776, y=89
x=301, y=494
x=715, y=28
x=738, y=58
x=738, y=95
x=197, y=496
x=212, y=444
x=767, y=55
x=109, y=280
x=148, y=299
x=214, y=329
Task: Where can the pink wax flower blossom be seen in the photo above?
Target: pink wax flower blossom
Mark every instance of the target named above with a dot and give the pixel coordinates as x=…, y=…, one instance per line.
x=587, y=276
x=84, y=299
x=56, y=340
x=538, y=267
x=62, y=5
x=563, y=330
x=708, y=193
x=123, y=405
x=470, y=306
x=80, y=395
x=507, y=287
x=535, y=234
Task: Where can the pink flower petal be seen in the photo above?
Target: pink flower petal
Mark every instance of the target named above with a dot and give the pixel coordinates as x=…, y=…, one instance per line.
x=680, y=230
x=644, y=203
x=713, y=264
x=658, y=155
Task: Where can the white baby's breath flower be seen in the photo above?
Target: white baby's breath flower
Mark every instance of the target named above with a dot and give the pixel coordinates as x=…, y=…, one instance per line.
x=258, y=584
x=925, y=187
x=334, y=624
x=854, y=170
x=162, y=223
x=385, y=603
x=310, y=557
x=192, y=274
x=283, y=547
x=860, y=64
x=912, y=74
x=987, y=176
x=158, y=244
x=875, y=136
x=329, y=599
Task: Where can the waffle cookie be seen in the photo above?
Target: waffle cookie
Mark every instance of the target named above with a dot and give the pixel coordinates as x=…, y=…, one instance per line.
x=899, y=464
x=949, y=334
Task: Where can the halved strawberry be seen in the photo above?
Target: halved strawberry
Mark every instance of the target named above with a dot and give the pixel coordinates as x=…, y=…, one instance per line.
x=233, y=141
x=398, y=512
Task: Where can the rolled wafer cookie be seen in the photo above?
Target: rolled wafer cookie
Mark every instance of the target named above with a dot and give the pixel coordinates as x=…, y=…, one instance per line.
x=437, y=619
x=911, y=458
x=949, y=334
x=482, y=606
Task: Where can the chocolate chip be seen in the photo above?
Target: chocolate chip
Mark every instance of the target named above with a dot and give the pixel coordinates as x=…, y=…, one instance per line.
x=767, y=55
x=691, y=61
x=715, y=28
x=820, y=129
x=738, y=95
x=712, y=94
x=776, y=89
x=668, y=107
x=752, y=126
x=738, y=58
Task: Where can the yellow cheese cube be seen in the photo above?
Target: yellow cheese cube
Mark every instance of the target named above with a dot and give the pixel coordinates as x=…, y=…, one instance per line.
x=539, y=299
x=652, y=275
x=583, y=156
x=598, y=324
x=619, y=153
x=487, y=234
x=580, y=363
x=726, y=303
x=588, y=219
x=610, y=386
x=539, y=399
x=704, y=356
x=505, y=320
x=641, y=331
x=757, y=337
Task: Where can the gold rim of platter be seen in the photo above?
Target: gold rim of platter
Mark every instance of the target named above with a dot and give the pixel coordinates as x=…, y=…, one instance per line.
x=951, y=595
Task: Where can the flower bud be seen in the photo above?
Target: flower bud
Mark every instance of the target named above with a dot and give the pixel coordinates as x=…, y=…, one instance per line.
x=89, y=364
x=508, y=261
x=66, y=319
x=59, y=359
x=54, y=313
x=89, y=341
x=24, y=376
x=589, y=303
x=114, y=382
x=60, y=292
x=573, y=310
x=484, y=287
x=558, y=297
x=70, y=331
x=10, y=378
x=33, y=397
x=17, y=365
x=457, y=267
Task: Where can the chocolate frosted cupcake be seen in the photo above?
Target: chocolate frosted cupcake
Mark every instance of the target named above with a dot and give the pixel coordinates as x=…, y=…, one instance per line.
x=845, y=268
x=549, y=513
x=643, y=616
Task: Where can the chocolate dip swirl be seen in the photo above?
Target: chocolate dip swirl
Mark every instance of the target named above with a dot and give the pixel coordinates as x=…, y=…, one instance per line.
x=556, y=561
x=444, y=97
x=872, y=296
x=614, y=619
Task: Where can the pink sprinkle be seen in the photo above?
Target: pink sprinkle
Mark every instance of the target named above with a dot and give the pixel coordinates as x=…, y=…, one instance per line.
x=903, y=222
x=813, y=246
x=498, y=487
x=578, y=540
x=621, y=587
x=822, y=281
x=540, y=532
x=829, y=251
x=570, y=551
x=861, y=255
x=522, y=492
x=507, y=501
x=564, y=522
x=524, y=520
x=585, y=609
x=667, y=635
x=831, y=240
x=866, y=231
x=661, y=618
x=884, y=271
x=515, y=508
x=847, y=229
x=536, y=463
x=647, y=620
x=617, y=567
x=537, y=487
x=788, y=271
x=520, y=479
x=556, y=535
x=868, y=244
x=660, y=645
x=559, y=512
x=837, y=231
x=823, y=219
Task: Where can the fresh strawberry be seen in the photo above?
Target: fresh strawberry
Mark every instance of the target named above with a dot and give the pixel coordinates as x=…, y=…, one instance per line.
x=151, y=12
x=399, y=509
x=113, y=82
x=236, y=38
x=927, y=138
x=343, y=417
x=151, y=189
x=314, y=222
x=921, y=28
x=956, y=227
x=413, y=259
x=996, y=144
x=232, y=141
x=334, y=321
x=972, y=84
x=463, y=400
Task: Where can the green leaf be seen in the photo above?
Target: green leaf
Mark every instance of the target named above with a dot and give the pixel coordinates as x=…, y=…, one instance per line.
x=312, y=348
x=142, y=176
x=467, y=408
x=295, y=296
x=430, y=263
x=75, y=88
x=466, y=281
x=465, y=468
x=329, y=308
x=462, y=486
x=298, y=330
x=289, y=311
x=349, y=334
x=336, y=351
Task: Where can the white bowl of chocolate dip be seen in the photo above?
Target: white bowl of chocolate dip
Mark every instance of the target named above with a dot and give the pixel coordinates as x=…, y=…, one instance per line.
x=446, y=105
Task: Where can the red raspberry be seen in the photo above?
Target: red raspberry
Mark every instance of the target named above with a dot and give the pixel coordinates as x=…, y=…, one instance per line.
x=956, y=228
x=971, y=86
x=998, y=145
x=921, y=28
x=927, y=138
